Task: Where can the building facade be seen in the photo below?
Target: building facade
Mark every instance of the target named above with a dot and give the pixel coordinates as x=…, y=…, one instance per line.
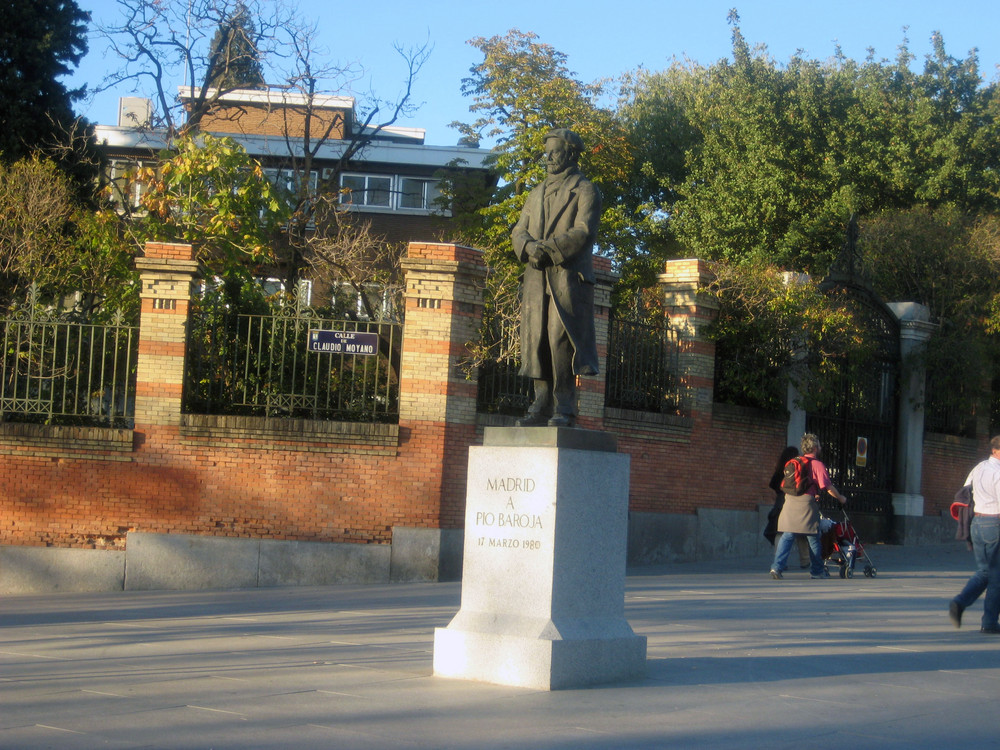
x=389, y=177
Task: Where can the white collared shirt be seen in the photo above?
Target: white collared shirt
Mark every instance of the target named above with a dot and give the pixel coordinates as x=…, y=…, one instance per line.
x=985, y=481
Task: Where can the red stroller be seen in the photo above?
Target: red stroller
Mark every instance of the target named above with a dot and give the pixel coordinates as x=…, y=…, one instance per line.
x=846, y=549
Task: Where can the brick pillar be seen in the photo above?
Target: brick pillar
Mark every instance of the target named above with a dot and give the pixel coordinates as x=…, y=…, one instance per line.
x=444, y=306
x=437, y=402
x=590, y=390
x=690, y=312
x=165, y=273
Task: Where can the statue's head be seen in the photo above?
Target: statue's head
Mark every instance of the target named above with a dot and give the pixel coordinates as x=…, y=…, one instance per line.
x=562, y=149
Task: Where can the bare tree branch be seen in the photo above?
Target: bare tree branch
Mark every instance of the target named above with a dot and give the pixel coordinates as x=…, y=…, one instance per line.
x=162, y=44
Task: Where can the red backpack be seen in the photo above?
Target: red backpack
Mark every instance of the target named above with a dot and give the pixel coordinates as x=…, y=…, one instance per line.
x=797, y=476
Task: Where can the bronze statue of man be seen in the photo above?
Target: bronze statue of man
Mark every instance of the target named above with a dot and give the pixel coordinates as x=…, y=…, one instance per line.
x=555, y=239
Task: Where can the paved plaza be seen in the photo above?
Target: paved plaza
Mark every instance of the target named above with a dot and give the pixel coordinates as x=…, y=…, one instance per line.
x=735, y=660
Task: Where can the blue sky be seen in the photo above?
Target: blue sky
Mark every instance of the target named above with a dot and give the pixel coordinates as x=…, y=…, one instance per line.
x=601, y=39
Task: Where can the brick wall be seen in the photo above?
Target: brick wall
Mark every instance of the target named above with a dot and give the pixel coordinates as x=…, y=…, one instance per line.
x=947, y=462
x=333, y=482
x=334, y=490
x=721, y=460
x=248, y=119
x=257, y=478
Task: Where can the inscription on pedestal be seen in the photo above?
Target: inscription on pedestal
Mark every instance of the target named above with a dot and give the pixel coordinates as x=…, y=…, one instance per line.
x=543, y=581
x=515, y=525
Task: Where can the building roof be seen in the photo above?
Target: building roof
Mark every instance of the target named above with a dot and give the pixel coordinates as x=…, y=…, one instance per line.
x=276, y=147
x=278, y=97
x=392, y=145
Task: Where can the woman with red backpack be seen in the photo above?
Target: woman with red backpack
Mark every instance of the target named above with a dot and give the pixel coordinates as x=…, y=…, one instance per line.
x=805, y=478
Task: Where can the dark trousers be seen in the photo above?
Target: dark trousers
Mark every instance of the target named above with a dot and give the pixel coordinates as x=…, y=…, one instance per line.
x=985, y=533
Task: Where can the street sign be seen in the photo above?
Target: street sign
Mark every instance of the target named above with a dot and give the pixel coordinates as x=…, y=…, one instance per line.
x=861, y=457
x=343, y=342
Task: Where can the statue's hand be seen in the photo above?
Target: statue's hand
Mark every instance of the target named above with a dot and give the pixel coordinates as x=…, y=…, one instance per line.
x=539, y=257
x=541, y=262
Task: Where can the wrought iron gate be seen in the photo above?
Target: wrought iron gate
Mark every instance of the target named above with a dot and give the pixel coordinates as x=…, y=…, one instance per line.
x=858, y=427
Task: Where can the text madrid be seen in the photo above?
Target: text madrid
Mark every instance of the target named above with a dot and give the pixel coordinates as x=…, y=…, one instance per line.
x=511, y=484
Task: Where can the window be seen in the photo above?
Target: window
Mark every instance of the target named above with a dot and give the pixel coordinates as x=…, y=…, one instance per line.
x=287, y=181
x=416, y=193
x=384, y=301
x=392, y=192
x=126, y=189
x=366, y=190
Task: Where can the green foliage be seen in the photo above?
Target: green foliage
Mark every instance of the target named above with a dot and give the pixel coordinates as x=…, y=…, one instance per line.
x=48, y=239
x=775, y=327
x=776, y=157
x=35, y=209
x=211, y=194
x=758, y=164
x=522, y=89
x=948, y=260
x=233, y=54
x=660, y=135
x=40, y=41
x=102, y=265
x=943, y=258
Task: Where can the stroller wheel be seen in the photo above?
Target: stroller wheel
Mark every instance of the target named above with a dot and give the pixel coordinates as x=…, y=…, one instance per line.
x=870, y=571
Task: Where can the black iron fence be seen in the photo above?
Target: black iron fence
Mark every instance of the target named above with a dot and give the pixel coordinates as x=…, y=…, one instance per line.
x=275, y=364
x=58, y=369
x=500, y=389
x=642, y=367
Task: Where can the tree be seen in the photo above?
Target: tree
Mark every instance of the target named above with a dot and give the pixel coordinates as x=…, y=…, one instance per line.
x=211, y=194
x=164, y=41
x=161, y=43
x=101, y=268
x=40, y=41
x=239, y=60
x=520, y=90
x=36, y=206
x=765, y=317
x=777, y=157
x=948, y=260
x=350, y=257
x=49, y=239
x=655, y=119
x=317, y=214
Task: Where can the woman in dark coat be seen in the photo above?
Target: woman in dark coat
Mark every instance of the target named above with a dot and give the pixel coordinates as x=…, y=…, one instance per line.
x=771, y=529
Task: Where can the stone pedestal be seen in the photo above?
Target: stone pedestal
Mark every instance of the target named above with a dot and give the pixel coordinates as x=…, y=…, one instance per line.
x=543, y=584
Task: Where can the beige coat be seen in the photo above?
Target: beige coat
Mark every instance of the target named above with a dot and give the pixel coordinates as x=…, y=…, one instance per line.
x=799, y=515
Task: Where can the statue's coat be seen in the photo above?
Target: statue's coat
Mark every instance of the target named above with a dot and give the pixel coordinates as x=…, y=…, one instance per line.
x=571, y=230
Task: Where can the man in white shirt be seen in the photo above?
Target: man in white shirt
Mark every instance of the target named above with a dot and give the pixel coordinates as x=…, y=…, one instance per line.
x=984, y=531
